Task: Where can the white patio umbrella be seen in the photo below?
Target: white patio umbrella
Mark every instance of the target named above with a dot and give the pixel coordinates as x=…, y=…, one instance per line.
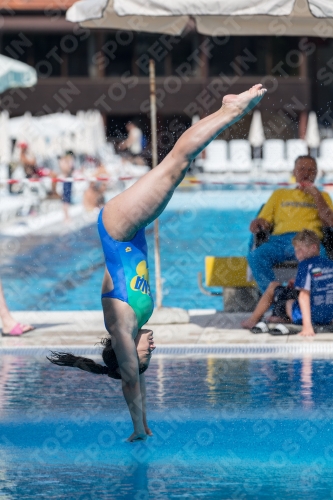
x=312, y=136
x=55, y=146
x=256, y=132
x=100, y=137
x=89, y=147
x=28, y=127
x=39, y=147
x=5, y=141
x=15, y=74
x=195, y=119
x=5, y=151
x=12, y=74
x=58, y=132
x=27, y=130
x=91, y=137
x=80, y=135
x=224, y=18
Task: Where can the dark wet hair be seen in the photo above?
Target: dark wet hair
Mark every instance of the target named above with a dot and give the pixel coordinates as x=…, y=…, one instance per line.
x=111, y=367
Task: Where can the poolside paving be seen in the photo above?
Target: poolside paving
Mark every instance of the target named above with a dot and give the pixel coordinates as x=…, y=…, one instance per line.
x=85, y=328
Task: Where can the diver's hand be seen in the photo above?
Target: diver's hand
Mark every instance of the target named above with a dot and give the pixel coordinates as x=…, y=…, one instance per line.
x=137, y=436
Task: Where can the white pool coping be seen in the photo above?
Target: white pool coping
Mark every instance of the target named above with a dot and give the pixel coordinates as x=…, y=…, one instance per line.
x=188, y=350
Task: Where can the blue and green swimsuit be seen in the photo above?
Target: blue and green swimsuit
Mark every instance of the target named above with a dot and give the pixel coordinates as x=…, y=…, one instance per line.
x=127, y=263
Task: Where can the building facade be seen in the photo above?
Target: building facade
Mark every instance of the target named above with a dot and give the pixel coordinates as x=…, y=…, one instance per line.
x=84, y=69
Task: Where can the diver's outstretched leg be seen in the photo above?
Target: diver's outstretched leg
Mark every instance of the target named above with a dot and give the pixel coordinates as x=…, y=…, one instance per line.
x=143, y=202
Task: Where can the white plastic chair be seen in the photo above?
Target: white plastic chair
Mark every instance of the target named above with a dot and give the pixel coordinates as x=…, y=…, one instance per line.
x=295, y=148
x=216, y=157
x=274, y=156
x=240, y=156
x=325, y=160
x=4, y=173
x=4, y=176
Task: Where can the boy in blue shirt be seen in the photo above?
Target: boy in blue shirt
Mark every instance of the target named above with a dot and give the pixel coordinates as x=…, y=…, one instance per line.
x=314, y=281
x=313, y=286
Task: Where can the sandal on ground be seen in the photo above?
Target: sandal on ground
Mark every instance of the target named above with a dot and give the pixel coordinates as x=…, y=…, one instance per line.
x=17, y=331
x=260, y=327
x=281, y=329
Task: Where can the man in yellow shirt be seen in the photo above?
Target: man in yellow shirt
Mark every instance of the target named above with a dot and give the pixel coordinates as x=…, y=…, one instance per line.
x=287, y=212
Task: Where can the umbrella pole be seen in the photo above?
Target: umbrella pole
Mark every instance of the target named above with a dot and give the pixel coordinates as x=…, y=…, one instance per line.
x=152, y=82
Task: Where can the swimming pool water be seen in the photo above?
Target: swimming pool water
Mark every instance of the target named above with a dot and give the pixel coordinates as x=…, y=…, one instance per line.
x=223, y=429
x=65, y=273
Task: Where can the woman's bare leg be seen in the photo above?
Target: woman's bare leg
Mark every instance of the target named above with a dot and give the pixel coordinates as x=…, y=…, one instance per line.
x=8, y=322
x=143, y=202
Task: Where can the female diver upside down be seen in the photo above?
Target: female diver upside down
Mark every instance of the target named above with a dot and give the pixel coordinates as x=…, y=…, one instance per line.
x=126, y=299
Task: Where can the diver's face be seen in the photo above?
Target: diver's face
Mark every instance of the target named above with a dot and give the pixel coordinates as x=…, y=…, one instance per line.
x=144, y=345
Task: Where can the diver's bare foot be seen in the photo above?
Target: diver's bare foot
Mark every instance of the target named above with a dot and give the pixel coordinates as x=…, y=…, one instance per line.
x=248, y=324
x=137, y=436
x=244, y=102
x=148, y=431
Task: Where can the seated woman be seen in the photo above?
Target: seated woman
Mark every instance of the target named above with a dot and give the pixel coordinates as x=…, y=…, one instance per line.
x=126, y=297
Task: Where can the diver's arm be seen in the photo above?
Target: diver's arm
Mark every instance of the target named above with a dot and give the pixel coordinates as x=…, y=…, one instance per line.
x=144, y=410
x=125, y=350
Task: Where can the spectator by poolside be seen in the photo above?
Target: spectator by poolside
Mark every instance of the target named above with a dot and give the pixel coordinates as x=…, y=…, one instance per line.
x=94, y=195
x=133, y=144
x=28, y=161
x=10, y=327
x=310, y=300
x=66, y=165
x=287, y=212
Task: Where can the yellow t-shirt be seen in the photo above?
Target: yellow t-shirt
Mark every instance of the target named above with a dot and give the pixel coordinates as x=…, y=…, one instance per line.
x=291, y=210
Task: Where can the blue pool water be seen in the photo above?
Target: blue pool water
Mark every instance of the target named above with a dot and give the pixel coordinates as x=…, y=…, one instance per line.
x=65, y=273
x=223, y=429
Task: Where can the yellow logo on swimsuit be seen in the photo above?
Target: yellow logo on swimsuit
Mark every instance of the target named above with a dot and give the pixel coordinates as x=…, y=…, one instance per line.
x=128, y=249
x=140, y=282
